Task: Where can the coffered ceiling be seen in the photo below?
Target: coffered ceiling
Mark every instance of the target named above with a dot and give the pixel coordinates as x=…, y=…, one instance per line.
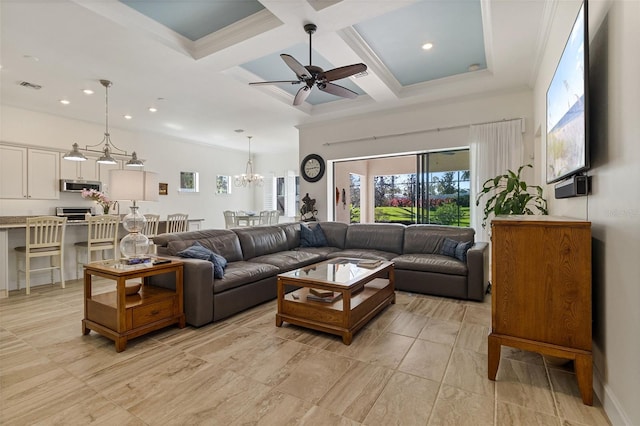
x=193, y=59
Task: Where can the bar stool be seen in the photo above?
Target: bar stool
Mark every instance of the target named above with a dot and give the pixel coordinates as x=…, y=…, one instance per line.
x=44, y=237
x=102, y=234
x=177, y=222
x=150, y=229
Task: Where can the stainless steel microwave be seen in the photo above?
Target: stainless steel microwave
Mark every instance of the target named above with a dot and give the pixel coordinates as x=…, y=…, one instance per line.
x=70, y=185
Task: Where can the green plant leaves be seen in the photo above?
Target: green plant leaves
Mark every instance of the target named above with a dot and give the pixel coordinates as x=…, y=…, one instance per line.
x=511, y=195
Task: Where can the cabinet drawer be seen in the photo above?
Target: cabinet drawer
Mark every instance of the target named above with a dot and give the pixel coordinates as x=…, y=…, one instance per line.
x=153, y=312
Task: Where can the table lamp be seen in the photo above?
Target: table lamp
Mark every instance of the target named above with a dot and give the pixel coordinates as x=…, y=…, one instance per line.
x=133, y=185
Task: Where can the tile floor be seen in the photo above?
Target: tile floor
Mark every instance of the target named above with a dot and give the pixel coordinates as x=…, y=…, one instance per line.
x=422, y=361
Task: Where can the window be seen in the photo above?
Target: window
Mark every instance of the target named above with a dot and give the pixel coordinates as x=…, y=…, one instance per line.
x=354, y=192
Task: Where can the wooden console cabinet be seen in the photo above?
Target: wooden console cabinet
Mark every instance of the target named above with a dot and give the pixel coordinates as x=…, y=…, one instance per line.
x=541, y=291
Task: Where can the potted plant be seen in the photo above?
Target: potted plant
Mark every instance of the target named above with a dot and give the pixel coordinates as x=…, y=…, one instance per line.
x=509, y=194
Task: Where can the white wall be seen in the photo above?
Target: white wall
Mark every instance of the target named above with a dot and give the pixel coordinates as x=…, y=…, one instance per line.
x=164, y=155
x=613, y=207
x=328, y=139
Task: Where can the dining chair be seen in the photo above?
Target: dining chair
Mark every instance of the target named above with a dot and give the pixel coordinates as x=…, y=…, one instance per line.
x=177, y=222
x=44, y=237
x=102, y=235
x=229, y=219
x=274, y=217
x=150, y=229
x=265, y=217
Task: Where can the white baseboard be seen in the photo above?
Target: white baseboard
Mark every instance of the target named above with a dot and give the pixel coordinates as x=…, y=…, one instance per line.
x=610, y=403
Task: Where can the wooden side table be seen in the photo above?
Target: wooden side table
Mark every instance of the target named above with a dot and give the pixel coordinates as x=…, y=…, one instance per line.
x=120, y=317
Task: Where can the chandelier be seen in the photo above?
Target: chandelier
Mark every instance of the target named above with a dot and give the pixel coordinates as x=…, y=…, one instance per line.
x=109, y=147
x=248, y=177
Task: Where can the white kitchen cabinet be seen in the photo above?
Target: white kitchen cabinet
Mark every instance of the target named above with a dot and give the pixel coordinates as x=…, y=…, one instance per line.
x=79, y=170
x=28, y=173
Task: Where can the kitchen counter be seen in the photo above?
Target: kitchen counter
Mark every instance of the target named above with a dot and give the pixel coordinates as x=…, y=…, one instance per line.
x=12, y=235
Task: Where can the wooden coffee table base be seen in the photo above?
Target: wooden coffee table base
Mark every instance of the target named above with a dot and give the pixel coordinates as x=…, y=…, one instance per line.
x=345, y=316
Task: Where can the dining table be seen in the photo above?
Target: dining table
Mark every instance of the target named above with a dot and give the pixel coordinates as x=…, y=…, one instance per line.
x=247, y=219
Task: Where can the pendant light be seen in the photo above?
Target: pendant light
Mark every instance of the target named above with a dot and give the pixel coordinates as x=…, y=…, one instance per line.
x=109, y=147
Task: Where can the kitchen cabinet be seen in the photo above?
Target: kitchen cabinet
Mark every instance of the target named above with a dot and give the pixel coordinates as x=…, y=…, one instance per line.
x=28, y=173
x=81, y=170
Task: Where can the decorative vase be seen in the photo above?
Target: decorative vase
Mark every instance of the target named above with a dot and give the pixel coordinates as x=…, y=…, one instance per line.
x=105, y=209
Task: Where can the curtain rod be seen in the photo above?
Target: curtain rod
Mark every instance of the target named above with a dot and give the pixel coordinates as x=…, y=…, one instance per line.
x=416, y=132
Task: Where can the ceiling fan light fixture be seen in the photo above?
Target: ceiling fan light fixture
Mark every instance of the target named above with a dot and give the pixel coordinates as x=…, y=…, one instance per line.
x=427, y=46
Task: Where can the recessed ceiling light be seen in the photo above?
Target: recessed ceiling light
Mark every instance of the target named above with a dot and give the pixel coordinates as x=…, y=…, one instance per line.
x=127, y=117
x=474, y=67
x=153, y=109
x=64, y=102
x=87, y=92
x=427, y=46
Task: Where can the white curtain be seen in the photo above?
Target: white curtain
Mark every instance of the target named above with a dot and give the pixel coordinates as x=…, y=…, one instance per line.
x=495, y=148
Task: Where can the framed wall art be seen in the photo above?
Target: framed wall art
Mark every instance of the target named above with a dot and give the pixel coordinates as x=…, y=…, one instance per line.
x=163, y=188
x=189, y=182
x=223, y=184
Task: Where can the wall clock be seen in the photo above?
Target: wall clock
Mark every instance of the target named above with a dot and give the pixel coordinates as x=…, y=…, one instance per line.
x=312, y=168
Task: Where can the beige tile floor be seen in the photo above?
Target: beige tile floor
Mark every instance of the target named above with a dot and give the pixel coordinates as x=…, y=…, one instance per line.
x=422, y=361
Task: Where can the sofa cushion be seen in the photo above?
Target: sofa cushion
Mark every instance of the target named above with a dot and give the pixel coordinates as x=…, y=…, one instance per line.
x=428, y=239
x=241, y=273
x=321, y=251
x=335, y=233
x=430, y=263
x=221, y=241
x=385, y=237
x=288, y=260
x=312, y=237
x=260, y=240
x=362, y=254
x=292, y=232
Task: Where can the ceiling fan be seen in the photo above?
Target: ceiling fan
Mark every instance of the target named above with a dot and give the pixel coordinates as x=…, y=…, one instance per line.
x=312, y=75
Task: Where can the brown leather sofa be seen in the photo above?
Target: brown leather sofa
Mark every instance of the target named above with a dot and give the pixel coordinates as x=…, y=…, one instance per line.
x=256, y=255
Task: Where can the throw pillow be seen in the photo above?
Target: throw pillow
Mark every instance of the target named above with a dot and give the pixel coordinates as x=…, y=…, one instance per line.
x=198, y=251
x=449, y=247
x=219, y=265
x=312, y=237
x=461, y=250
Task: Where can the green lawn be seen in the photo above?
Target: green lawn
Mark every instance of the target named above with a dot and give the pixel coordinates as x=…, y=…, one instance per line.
x=408, y=214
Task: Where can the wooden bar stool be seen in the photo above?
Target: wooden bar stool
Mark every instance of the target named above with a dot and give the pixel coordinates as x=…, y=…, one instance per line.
x=44, y=238
x=102, y=234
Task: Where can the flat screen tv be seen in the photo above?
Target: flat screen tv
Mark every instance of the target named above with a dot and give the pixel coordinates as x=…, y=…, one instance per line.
x=568, y=106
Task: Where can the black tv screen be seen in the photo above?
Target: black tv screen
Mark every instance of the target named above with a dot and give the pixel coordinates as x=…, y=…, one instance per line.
x=567, y=106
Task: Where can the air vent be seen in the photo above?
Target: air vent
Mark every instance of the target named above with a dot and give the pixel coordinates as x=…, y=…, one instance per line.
x=30, y=85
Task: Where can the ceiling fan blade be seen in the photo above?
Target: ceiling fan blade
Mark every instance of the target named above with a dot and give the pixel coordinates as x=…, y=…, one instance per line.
x=257, y=83
x=296, y=66
x=334, y=89
x=342, y=72
x=302, y=95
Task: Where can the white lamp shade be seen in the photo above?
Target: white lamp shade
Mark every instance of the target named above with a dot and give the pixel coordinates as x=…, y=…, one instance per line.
x=133, y=185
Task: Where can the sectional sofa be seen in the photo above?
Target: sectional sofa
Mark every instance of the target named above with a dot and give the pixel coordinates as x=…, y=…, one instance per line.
x=256, y=255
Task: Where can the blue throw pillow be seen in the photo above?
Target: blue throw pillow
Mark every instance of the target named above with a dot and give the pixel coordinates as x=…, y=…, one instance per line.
x=312, y=237
x=219, y=264
x=198, y=251
x=449, y=247
x=461, y=250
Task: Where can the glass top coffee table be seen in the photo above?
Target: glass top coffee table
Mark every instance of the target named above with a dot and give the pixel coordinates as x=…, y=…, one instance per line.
x=337, y=296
